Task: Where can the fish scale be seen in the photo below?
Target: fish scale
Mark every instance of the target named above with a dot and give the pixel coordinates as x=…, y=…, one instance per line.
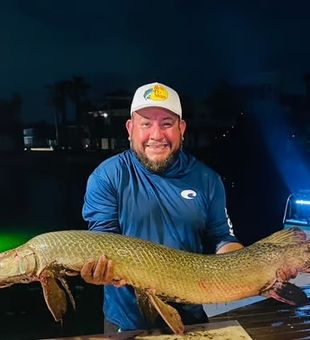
x=159, y=271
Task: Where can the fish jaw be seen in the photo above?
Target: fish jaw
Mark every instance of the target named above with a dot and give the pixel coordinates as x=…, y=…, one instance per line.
x=17, y=266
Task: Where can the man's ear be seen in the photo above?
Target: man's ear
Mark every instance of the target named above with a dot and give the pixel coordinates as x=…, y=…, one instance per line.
x=182, y=125
x=129, y=127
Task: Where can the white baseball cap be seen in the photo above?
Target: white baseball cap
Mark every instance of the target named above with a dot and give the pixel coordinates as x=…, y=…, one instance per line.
x=158, y=95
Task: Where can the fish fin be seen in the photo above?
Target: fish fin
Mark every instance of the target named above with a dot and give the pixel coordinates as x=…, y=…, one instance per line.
x=146, y=308
x=66, y=286
x=54, y=296
x=285, y=237
x=167, y=312
x=288, y=293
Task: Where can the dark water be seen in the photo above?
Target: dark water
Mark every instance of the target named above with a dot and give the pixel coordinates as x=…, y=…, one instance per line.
x=44, y=190
x=24, y=314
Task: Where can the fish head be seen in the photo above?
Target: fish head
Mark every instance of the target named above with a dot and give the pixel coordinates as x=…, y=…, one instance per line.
x=17, y=266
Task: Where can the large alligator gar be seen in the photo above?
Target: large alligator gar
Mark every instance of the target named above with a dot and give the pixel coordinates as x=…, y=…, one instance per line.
x=161, y=274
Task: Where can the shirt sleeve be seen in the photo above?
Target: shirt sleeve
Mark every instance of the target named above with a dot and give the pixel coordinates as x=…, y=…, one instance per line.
x=219, y=227
x=100, y=209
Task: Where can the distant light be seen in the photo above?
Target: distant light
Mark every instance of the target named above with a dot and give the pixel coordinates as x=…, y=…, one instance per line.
x=224, y=135
x=40, y=149
x=303, y=202
x=293, y=135
x=105, y=115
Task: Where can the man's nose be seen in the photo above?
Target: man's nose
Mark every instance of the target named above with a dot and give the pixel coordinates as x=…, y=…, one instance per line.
x=156, y=133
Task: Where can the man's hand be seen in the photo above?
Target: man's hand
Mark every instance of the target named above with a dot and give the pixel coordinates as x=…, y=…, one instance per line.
x=100, y=272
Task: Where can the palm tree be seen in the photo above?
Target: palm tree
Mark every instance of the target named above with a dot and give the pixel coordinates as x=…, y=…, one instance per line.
x=78, y=94
x=61, y=94
x=58, y=97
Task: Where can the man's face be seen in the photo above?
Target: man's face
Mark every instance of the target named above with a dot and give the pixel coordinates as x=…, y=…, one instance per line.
x=156, y=136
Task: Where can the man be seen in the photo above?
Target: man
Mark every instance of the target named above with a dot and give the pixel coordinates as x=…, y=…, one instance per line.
x=155, y=191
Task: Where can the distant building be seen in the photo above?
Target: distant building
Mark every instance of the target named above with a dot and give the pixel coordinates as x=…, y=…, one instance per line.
x=106, y=120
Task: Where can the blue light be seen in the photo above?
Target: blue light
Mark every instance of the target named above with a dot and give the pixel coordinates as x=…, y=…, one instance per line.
x=297, y=209
x=275, y=130
x=303, y=202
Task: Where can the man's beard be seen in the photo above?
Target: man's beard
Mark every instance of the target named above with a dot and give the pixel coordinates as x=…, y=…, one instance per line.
x=159, y=166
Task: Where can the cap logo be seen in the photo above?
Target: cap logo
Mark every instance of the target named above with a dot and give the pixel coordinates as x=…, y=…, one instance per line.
x=156, y=93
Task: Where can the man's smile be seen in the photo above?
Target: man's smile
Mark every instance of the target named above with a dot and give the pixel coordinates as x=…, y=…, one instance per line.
x=157, y=148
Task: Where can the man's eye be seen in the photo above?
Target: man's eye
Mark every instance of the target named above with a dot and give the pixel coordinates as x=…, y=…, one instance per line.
x=145, y=124
x=167, y=125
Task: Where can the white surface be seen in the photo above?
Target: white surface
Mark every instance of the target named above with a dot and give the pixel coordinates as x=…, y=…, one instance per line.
x=219, y=308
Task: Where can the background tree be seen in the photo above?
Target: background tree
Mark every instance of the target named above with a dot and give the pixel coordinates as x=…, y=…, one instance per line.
x=61, y=95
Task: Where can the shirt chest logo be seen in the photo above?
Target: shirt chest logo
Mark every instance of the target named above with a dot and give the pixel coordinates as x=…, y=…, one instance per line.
x=188, y=194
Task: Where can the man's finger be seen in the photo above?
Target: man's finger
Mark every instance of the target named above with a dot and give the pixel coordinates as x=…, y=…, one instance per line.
x=100, y=269
x=87, y=269
x=109, y=273
x=119, y=283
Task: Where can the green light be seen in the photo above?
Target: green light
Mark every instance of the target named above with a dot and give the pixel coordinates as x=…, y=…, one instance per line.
x=10, y=240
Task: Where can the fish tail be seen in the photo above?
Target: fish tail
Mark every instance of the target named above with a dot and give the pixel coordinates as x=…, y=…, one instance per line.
x=288, y=293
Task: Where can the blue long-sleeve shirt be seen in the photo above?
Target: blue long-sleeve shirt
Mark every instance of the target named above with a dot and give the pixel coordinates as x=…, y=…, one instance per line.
x=182, y=208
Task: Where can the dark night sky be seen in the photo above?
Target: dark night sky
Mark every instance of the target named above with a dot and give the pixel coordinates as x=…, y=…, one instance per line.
x=120, y=44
